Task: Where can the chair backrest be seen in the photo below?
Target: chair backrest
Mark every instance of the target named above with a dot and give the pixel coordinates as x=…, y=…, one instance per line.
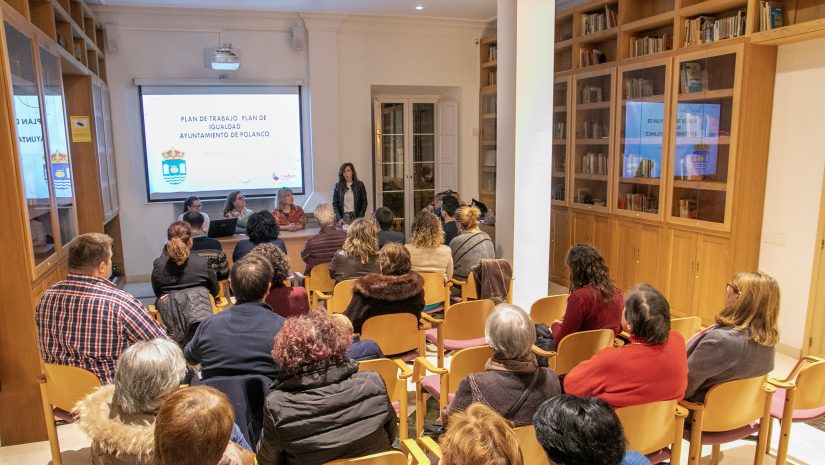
x=319, y=280
x=435, y=288
x=810, y=385
x=652, y=427
x=65, y=385
x=578, y=347
x=733, y=404
x=465, y=362
x=392, y=457
x=548, y=309
x=247, y=394
x=687, y=326
x=466, y=320
x=395, y=333
x=388, y=370
x=532, y=451
x=341, y=296
x=510, y=290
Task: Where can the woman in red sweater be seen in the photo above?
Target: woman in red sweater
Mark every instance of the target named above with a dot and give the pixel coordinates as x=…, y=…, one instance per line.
x=594, y=302
x=651, y=368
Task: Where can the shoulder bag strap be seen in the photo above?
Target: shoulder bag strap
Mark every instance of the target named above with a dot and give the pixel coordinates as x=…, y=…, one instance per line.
x=524, y=395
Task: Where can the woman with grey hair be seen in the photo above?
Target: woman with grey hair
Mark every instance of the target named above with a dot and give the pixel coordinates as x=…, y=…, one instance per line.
x=512, y=384
x=290, y=217
x=120, y=417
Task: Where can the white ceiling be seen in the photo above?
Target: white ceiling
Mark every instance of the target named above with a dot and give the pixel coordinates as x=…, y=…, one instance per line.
x=461, y=9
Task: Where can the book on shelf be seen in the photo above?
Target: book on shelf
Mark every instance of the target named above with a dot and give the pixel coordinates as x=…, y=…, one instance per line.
x=492, y=53
x=591, y=56
x=490, y=158
x=640, y=46
x=638, y=88
x=639, y=203
x=704, y=29
x=560, y=130
x=770, y=15
x=591, y=94
x=593, y=163
x=595, y=22
x=694, y=77
x=594, y=130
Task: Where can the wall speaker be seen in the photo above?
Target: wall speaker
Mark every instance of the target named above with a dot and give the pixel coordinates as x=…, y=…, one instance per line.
x=111, y=37
x=297, y=38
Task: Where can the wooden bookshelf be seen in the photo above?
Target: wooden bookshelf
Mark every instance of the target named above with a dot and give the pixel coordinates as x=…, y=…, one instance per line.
x=488, y=54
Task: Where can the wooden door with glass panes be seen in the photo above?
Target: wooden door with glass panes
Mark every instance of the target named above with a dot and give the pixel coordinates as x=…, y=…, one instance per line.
x=641, y=141
x=405, y=157
x=591, y=151
x=561, y=142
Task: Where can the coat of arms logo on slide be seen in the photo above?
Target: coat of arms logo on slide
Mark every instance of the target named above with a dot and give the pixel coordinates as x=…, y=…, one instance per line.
x=60, y=171
x=174, y=166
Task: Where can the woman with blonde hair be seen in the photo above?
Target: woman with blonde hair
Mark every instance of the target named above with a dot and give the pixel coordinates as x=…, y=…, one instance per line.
x=472, y=245
x=427, y=250
x=359, y=254
x=177, y=269
x=289, y=216
x=479, y=436
x=742, y=342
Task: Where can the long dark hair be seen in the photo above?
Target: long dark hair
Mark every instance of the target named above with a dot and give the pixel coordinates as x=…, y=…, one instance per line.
x=341, y=179
x=189, y=200
x=229, y=205
x=588, y=268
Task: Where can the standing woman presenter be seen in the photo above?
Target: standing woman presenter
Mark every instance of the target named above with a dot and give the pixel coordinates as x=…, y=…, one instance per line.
x=349, y=198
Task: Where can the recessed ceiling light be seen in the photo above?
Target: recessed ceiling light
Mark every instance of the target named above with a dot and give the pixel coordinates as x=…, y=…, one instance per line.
x=419, y=7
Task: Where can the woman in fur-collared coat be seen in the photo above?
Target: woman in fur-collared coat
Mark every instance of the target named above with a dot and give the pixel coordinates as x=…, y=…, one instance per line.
x=396, y=289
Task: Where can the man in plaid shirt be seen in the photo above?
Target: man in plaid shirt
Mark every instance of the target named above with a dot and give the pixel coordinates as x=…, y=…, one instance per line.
x=86, y=321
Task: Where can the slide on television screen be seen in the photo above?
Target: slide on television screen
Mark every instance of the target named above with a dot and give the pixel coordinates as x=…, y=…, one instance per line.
x=208, y=141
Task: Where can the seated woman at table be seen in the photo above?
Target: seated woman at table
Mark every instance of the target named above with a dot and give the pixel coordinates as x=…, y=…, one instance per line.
x=260, y=228
x=290, y=217
x=193, y=204
x=235, y=207
x=285, y=300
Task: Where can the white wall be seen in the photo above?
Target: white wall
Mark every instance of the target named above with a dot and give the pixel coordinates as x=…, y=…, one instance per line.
x=794, y=184
x=169, y=44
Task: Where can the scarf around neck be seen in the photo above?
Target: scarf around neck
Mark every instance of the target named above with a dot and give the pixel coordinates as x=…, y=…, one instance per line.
x=526, y=364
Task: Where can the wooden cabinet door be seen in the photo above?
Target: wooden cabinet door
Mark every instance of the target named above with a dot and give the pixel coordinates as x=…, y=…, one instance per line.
x=713, y=270
x=582, y=228
x=681, y=271
x=560, y=243
x=650, y=250
x=601, y=235
x=623, y=268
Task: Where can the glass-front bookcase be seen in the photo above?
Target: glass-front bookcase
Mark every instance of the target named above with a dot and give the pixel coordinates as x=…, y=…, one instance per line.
x=592, y=145
x=643, y=116
x=561, y=141
x=705, y=117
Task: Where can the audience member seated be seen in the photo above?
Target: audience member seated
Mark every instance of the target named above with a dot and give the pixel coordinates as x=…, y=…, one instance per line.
x=651, y=368
x=321, y=247
x=385, y=219
x=472, y=245
x=193, y=205
x=512, y=384
x=321, y=408
x=449, y=205
x=178, y=269
x=741, y=343
x=177, y=442
x=120, y=418
x=479, y=436
x=427, y=250
x=206, y=247
x=359, y=350
x=235, y=207
x=289, y=216
x=84, y=320
x=261, y=228
x=576, y=431
x=359, y=254
x=285, y=300
x=396, y=289
x=237, y=341
x=594, y=302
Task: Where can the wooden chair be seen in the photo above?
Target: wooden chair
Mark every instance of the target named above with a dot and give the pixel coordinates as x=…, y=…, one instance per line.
x=443, y=383
x=532, y=452
x=317, y=280
x=469, y=291
x=576, y=348
x=153, y=311
x=396, y=333
x=61, y=387
x=728, y=414
x=395, y=374
x=462, y=326
x=548, y=309
x=687, y=326
x=436, y=289
x=340, y=298
x=221, y=302
x=654, y=429
x=799, y=397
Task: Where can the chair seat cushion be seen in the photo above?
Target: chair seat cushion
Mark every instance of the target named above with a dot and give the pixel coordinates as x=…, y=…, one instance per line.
x=432, y=384
x=778, y=405
x=453, y=344
x=722, y=437
x=659, y=456
x=396, y=405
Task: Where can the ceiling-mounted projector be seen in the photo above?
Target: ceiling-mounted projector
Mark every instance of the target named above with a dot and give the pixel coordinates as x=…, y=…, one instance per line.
x=225, y=59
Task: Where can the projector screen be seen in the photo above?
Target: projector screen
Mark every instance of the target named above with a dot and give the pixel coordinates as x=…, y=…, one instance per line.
x=211, y=140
